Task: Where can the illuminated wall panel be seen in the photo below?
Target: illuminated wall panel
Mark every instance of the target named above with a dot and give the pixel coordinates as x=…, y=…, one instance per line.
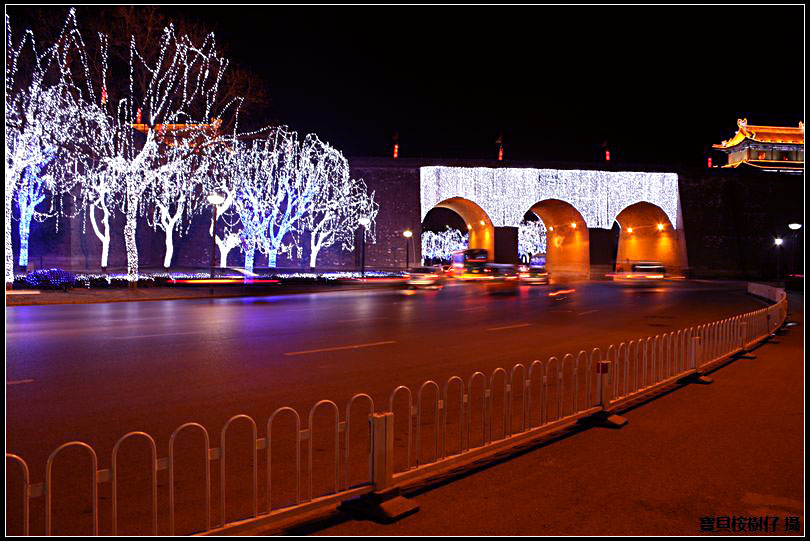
x=505, y=194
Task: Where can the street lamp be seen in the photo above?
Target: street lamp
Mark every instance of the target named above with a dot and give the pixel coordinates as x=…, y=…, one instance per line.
x=794, y=249
x=364, y=221
x=215, y=199
x=407, y=234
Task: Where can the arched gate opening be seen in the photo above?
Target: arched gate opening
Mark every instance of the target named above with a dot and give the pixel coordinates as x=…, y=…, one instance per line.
x=648, y=235
x=567, y=239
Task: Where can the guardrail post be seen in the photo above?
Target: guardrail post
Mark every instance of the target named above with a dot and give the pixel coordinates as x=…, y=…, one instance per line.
x=385, y=504
x=695, y=354
x=381, y=428
x=606, y=417
x=743, y=326
x=603, y=369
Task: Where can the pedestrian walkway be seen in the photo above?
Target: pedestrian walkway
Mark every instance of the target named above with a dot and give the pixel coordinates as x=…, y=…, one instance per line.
x=686, y=460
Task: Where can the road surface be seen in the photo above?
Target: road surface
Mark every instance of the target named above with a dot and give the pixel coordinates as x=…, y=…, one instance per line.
x=94, y=372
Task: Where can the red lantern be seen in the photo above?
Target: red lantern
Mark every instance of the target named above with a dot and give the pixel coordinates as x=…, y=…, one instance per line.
x=396, y=150
x=500, y=153
x=607, y=155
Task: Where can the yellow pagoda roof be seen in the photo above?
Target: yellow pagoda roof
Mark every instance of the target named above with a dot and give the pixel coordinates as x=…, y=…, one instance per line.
x=764, y=134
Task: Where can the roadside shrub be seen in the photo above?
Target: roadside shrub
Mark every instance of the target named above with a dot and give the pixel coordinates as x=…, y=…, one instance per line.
x=50, y=279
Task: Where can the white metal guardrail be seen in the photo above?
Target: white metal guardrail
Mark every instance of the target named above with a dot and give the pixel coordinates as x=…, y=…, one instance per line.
x=446, y=427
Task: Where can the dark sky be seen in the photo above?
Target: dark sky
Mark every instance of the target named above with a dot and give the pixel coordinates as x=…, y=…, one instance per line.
x=660, y=84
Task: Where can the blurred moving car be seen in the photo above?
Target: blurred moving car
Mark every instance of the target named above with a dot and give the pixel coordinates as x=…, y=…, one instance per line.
x=469, y=265
x=500, y=278
x=424, y=277
x=642, y=273
x=533, y=274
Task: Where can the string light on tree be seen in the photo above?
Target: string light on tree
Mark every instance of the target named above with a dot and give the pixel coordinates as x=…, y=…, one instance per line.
x=531, y=238
x=441, y=245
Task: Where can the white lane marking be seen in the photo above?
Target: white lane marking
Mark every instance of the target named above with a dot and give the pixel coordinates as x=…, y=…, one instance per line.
x=19, y=381
x=586, y=313
x=153, y=335
x=510, y=327
x=359, y=319
x=338, y=348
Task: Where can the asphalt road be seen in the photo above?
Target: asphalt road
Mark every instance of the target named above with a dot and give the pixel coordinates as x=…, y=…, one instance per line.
x=734, y=448
x=94, y=372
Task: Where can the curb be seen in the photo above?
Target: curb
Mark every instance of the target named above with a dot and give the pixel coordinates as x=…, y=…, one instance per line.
x=198, y=297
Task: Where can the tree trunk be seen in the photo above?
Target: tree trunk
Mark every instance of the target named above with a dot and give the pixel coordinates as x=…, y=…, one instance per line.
x=9, y=249
x=224, y=249
x=271, y=258
x=103, y=236
x=132, y=247
x=249, y=255
x=25, y=233
x=105, y=252
x=167, y=259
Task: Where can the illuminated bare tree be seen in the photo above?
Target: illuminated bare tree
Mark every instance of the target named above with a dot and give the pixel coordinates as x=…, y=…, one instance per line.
x=39, y=116
x=531, y=238
x=441, y=245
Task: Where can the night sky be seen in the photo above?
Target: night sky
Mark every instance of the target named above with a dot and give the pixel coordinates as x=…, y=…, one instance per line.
x=659, y=84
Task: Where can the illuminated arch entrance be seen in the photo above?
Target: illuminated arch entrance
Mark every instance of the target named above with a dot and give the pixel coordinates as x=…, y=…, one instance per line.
x=647, y=234
x=479, y=226
x=567, y=244
x=500, y=196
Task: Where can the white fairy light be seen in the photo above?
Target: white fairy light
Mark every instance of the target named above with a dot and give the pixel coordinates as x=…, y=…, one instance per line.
x=339, y=204
x=506, y=194
x=441, y=245
x=531, y=238
x=38, y=123
x=276, y=187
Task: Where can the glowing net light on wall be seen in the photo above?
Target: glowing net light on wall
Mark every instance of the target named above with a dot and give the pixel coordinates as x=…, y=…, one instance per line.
x=506, y=194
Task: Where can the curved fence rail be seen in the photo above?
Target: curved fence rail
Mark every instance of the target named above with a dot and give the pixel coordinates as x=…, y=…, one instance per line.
x=488, y=414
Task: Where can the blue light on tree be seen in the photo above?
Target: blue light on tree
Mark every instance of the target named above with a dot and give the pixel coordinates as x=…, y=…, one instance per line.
x=32, y=191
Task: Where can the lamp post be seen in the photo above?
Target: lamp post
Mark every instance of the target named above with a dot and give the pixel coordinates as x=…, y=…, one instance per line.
x=216, y=199
x=794, y=249
x=778, y=242
x=364, y=221
x=407, y=234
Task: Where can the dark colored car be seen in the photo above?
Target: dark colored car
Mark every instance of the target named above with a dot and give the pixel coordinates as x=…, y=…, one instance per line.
x=501, y=278
x=534, y=274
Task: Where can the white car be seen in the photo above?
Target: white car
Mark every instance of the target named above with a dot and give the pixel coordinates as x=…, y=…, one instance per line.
x=425, y=277
x=642, y=273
